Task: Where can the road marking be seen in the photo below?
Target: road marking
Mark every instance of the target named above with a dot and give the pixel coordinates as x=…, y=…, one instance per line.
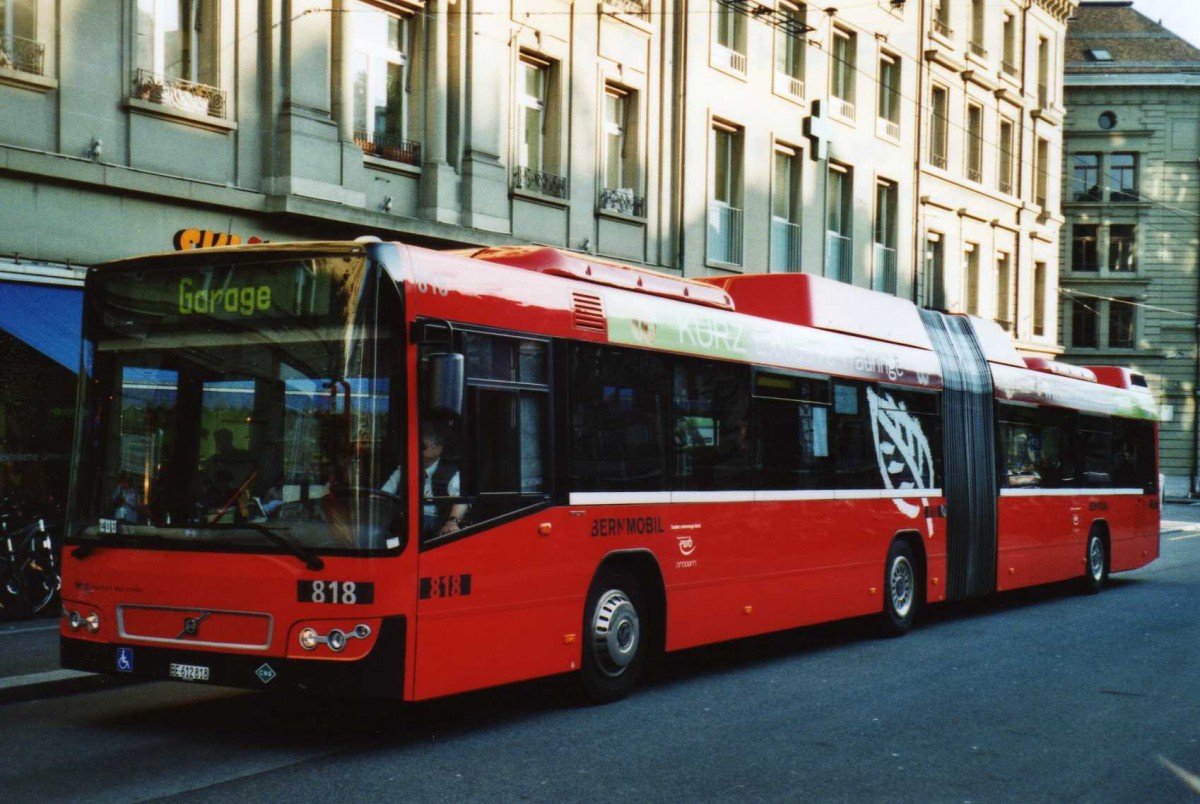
x=28, y=629
x=1181, y=538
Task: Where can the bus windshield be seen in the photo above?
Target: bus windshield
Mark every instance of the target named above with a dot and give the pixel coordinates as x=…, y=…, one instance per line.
x=247, y=403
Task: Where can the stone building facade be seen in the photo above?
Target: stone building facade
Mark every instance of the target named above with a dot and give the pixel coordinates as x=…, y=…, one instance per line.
x=905, y=145
x=1132, y=201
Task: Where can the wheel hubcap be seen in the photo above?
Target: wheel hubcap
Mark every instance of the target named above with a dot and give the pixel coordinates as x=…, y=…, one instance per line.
x=1096, y=558
x=902, y=586
x=616, y=632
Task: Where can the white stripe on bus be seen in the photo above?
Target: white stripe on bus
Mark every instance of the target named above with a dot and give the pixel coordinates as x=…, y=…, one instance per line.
x=1071, y=492
x=663, y=497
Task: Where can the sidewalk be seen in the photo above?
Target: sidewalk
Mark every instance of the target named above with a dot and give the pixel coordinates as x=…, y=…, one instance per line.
x=29, y=663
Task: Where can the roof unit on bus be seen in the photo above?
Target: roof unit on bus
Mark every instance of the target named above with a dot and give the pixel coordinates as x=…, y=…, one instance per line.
x=1120, y=377
x=813, y=301
x=1061, y=369
x=555, y=262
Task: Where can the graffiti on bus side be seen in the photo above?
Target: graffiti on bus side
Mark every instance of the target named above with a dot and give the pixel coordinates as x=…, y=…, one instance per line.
x=903, y=451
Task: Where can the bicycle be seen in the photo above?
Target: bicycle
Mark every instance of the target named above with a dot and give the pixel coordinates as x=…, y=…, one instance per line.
x=29, y=572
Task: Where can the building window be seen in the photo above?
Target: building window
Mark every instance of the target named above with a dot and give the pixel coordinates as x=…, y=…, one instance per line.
x=785, y=210
x=1004, y=313
x=379, y=72
x=1122, y=172
x=19, y=48
x=1043, y=66
x=941, y=18
x=729, y=28
x=843, y=73
x=839, y=245
x=1042, y=171
x=1085, y=321
x=177, y=53
x=537, y=151
x=1121, y=323
x=939, y=128
x=1004, y=175
x=973, y=284
x=790, y=45
x=1039, y=299
x=935, y=272
x=1009, y=34
x=974, y=142
x=724, y=210
x=1085, y=249
x=978, y=29
x=1086, y=179
x=620, y=155
x=1122, y=247
x=886, y=223
x=889, y=96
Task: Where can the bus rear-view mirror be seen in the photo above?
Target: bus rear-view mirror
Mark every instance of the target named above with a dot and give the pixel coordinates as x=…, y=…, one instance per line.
x=446, y=379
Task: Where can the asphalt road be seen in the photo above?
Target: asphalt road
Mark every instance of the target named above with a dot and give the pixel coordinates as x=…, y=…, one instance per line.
x=1043, y=695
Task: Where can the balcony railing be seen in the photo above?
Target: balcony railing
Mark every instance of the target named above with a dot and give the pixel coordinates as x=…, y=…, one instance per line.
x=975, y=174
x=838, y=254
x=1005, y=186
x=938, y=160
x=886, y=128
x=1008, y=67
x=26, y=55
x=1043, y=96
x=785, y=246
x=724, y=234
x=885, y=269
x=539, y=182
x=624, y=202
x=789, y=85
x=186, y=96
x=842, y=108
x=387, y=146
x=977, y=49
x=634, y=8
x=730, y=59
x=942, y=28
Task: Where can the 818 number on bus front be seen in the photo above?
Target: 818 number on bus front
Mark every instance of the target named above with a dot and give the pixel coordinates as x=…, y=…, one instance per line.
x=348, y=593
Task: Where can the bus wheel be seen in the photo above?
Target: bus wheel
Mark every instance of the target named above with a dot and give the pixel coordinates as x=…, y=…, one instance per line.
x=1096, y=574
x=901, y=595
x=614, y=647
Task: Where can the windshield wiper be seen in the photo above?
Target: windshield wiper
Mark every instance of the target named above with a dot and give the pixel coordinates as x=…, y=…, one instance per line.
x=84, y=550
x=310, y=559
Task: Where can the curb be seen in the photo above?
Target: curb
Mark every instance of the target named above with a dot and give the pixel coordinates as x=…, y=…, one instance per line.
x=54, y=682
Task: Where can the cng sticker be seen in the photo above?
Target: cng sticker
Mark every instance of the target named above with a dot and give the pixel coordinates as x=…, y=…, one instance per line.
x=265, y=673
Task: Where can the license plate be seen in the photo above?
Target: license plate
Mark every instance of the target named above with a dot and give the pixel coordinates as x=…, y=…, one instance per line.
x=189, y=672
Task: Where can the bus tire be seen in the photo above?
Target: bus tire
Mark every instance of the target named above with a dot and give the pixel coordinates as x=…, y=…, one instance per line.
x=901, y=589
x=1095, y=574
x=615, y=636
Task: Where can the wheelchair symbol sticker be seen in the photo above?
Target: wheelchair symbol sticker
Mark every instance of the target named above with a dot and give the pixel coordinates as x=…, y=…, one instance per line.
x=125, y=660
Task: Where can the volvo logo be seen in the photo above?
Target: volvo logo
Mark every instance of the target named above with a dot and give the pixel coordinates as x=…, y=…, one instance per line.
x=191, y=626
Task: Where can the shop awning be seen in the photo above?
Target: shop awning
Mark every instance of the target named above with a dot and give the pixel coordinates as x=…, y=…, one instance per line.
x=47, y=317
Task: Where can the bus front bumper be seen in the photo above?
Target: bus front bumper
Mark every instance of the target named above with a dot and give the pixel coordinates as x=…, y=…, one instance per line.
x=379, y=674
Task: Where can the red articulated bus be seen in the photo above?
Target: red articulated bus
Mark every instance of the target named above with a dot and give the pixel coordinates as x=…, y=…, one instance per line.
x=373, y=469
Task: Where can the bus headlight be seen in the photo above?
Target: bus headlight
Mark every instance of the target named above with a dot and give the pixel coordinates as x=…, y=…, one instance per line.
x=336, y=640
x=75, y=620
x=309, y=639
x=93, y=622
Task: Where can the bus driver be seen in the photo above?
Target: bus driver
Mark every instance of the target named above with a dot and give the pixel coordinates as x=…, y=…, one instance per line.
x=441, y=481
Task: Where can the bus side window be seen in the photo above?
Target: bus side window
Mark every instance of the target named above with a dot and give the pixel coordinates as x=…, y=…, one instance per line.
x=617, y=404
x=500, y=447
x=711, y=421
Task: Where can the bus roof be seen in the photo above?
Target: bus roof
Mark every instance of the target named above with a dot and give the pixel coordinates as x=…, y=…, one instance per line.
x=556, y=262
